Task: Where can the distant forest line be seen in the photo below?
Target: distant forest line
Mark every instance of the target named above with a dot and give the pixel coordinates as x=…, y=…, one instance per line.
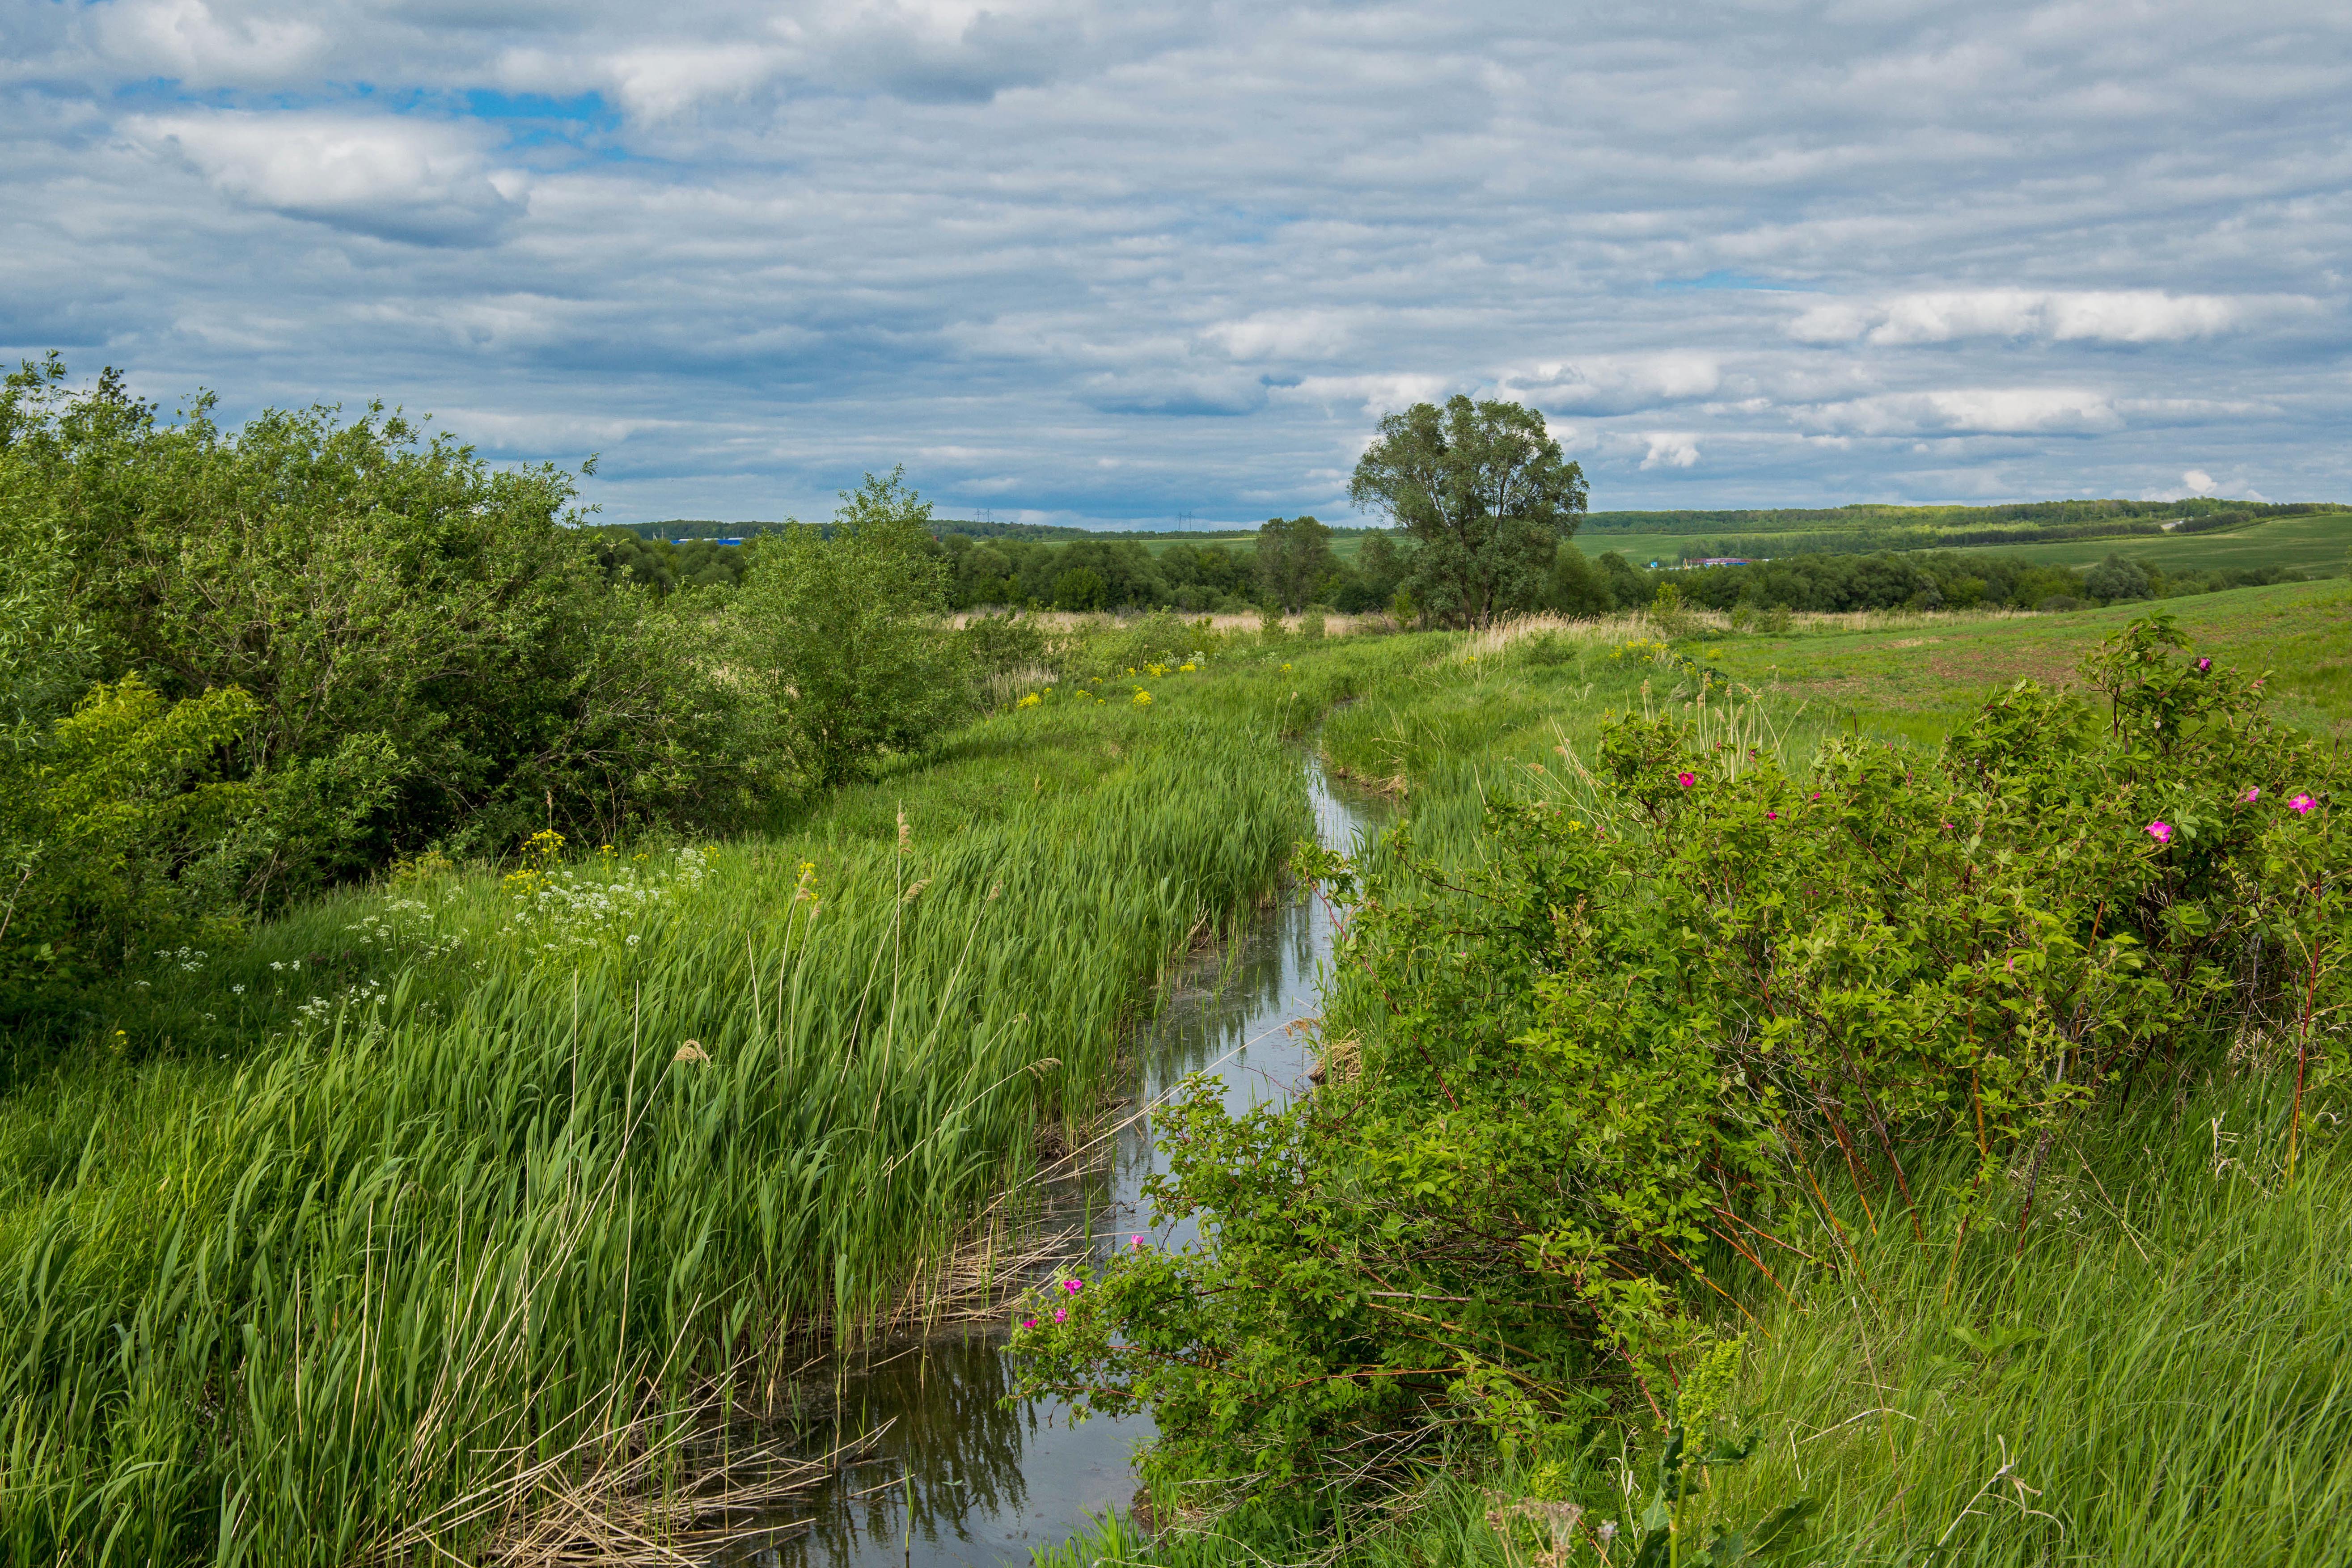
x=1863, y=528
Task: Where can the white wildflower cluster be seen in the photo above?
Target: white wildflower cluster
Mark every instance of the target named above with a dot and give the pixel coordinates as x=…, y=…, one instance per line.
x=571, y=908
x=189, y=959
x=404, y=925
x=365, y=995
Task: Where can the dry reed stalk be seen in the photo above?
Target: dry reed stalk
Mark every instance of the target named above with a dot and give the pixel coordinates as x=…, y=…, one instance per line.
x=1343, y=1058
x=657, y=1489
x=973, y=1280
x=1559, y=1519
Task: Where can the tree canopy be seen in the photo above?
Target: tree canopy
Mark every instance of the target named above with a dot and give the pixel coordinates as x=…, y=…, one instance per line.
x=1486, y=494
x=1295, y=561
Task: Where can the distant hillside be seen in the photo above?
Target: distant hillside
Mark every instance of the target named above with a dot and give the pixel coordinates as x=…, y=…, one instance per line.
x=1864, y=515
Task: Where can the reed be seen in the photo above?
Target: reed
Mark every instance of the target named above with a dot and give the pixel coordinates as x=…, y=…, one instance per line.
x=517, y=1193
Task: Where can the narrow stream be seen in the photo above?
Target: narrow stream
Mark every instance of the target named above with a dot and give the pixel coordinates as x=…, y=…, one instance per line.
x=988, y=1484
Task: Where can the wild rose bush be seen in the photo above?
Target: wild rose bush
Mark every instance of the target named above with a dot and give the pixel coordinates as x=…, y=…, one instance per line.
x=1627, y=1061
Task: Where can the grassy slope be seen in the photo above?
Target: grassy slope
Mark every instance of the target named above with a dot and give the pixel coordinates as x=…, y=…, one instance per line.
x=2166, y=1362
x=417, y=1188
x=2314, y=544
x=1915, y=680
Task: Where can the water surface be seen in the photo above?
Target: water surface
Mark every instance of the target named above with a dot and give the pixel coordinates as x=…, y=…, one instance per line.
x=988, y=1483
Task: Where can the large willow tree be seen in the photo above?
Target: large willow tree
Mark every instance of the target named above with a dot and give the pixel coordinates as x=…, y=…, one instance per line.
x=1485, y=494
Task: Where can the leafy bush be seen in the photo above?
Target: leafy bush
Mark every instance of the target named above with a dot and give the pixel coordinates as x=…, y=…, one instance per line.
x=1618, y=1066
x=113, y=830
x=2114, y=579
x=432, y=653
x=998, y=645
x=241, y=666
x=839, y=637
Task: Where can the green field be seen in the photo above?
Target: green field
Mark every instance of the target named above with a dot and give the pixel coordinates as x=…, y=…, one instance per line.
x=2316, y=544
x=1915, y=681
x=781, y=1186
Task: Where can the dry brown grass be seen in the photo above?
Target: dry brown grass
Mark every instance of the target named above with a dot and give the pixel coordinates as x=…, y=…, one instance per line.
x=1066, y=621
x=1641, y=624
x=663, y=1488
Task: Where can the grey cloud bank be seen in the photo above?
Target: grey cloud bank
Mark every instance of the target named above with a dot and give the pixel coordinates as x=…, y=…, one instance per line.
x=1082, y=262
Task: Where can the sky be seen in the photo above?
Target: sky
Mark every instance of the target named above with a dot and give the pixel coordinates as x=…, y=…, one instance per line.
x=1124, y=265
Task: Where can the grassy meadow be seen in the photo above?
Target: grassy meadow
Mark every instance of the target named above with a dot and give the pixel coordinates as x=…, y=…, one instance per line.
x=2315, y=544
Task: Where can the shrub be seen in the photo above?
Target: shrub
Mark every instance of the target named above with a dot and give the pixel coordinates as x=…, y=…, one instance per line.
x=114, y=831
x=431, y=650
x=1079, y=588
x=2116, y=579
x=1621, y=1060
x=839, y=637
x=998, y=645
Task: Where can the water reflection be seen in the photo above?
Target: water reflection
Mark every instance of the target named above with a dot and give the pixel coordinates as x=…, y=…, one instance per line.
x=987, y=1483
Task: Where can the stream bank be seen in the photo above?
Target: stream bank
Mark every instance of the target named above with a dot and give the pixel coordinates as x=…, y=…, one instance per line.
x=957, y=1478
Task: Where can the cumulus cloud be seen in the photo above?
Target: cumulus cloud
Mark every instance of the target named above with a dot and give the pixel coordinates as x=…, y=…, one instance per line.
x=2134, y=316
x=1616, y=384
x=394, y=179
x=2197, y=482
x=2013, y=410
x=197, y=43
x=659, y=81
x=1282, y=335
x=1669, y=449
x=1079, y=260
x=1377, y=394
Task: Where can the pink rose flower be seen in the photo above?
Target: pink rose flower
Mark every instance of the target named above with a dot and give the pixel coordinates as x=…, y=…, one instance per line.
x=2160, y=831
x=2254, y=795
x=1686, y=780
x=2301, y=805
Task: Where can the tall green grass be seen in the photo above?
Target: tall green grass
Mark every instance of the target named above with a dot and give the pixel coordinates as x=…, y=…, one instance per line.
x=490, y=1185
x=2160, y=1373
